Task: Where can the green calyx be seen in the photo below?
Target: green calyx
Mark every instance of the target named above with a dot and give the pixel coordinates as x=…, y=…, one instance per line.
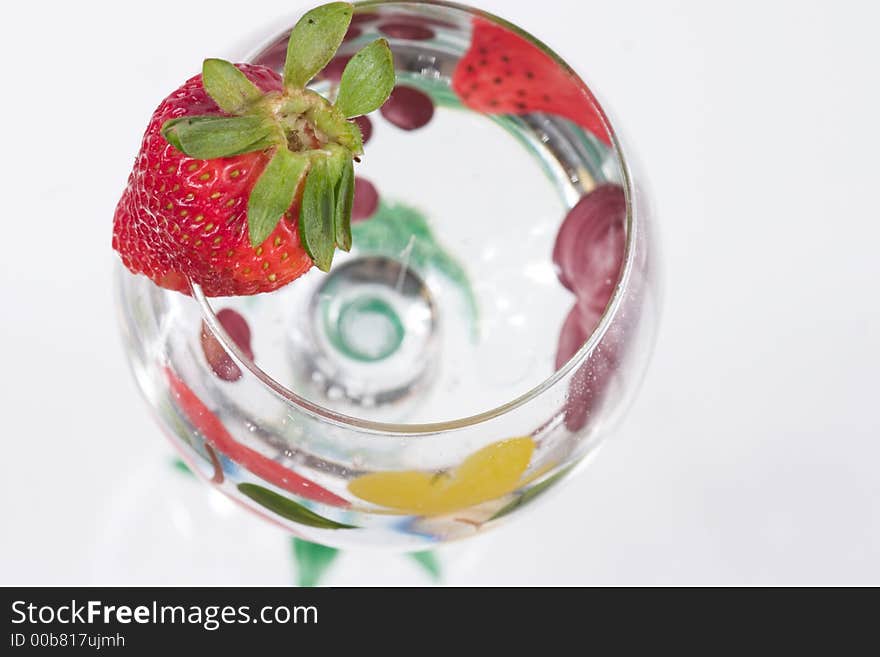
x=312, y=142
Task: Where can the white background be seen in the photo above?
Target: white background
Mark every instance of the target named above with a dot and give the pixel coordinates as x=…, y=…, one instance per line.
x=753, y=452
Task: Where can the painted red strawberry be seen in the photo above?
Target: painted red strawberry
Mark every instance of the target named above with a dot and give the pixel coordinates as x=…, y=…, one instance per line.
x=245, y=178
x=505, y=73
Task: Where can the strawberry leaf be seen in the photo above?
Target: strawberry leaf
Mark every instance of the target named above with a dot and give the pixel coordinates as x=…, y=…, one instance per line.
x=273, y=193
x=314, y=40
x=209, y=137
x=367, y=80
x=228, y=86
x=344, y=201
x=317, y=213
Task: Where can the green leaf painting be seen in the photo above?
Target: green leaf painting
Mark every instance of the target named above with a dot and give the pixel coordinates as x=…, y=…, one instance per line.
x=287, y=508
x=397, y=229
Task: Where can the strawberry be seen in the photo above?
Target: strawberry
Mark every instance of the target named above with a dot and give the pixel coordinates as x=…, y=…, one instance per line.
x=503, y=72
x=181, y=218
x=245, y=178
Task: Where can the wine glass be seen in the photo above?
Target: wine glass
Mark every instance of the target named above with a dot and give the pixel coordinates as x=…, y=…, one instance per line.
x=482, y=338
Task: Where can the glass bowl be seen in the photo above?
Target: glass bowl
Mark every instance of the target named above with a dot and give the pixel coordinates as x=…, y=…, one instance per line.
x=486, y=332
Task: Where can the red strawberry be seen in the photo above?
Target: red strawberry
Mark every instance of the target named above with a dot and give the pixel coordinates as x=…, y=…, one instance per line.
x=182, y=218
x=505, y=73
x=245, y=178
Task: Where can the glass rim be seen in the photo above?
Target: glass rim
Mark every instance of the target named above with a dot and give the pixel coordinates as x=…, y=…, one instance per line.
x=576, y=360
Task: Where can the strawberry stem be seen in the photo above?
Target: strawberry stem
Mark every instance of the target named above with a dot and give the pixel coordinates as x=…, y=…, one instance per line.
x=309, y=138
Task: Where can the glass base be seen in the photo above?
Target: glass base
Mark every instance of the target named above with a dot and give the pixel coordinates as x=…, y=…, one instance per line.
x=368, y=338
x=164, y=527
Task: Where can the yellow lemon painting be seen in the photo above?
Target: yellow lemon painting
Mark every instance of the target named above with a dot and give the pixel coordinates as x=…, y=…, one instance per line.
x=487, y=474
